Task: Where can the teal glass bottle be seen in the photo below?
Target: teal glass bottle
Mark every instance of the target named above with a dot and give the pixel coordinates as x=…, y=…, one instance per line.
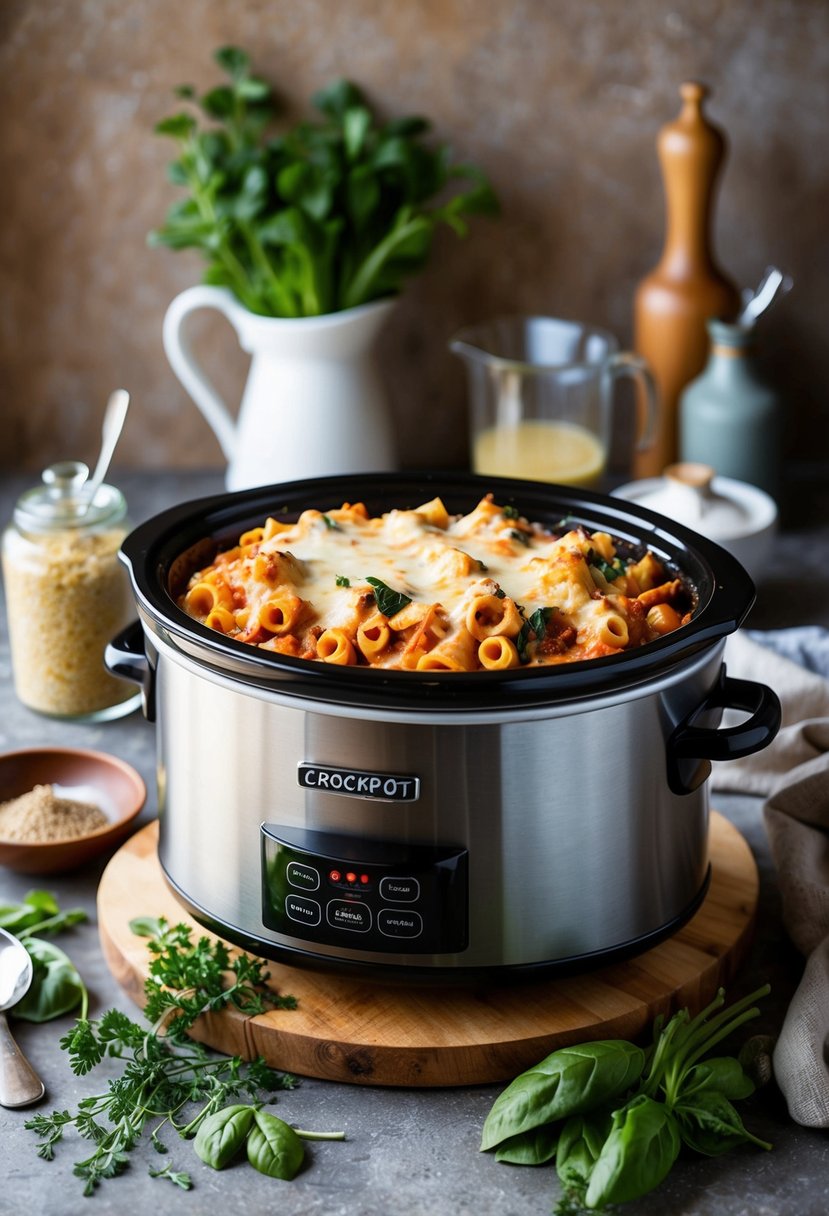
x=729, y=416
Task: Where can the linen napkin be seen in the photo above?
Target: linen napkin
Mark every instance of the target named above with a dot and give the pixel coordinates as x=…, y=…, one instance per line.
x=793, y=774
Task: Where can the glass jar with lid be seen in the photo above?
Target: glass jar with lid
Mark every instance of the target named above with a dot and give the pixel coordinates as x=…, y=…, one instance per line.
x=67, y=595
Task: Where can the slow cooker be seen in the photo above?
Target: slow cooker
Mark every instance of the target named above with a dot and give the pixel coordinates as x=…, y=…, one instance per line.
x=436, y=825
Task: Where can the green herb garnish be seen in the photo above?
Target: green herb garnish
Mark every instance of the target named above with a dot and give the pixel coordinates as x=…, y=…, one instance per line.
x=330, y=214
x=608, y=570
x=534, y=627
x=388, y=600
x=178, y=1179
x=614, y=1116
x=187, y=979
x=342, y=581
x=510, y=512
x=158, y=1080
x=163, y=1074
x=522, y=537
x=331, y=523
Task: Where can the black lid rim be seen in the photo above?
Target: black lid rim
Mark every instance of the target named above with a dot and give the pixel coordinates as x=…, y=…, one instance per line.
x=726, y=590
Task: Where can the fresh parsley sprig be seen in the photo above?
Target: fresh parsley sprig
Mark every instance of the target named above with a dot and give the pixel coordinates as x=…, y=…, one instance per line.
x=190, y=978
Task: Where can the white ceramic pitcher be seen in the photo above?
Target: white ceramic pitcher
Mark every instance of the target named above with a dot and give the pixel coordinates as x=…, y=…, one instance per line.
x=313, y=404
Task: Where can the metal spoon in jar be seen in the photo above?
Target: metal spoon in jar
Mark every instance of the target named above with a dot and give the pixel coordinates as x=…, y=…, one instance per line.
x=116, y=412
x=19, y=1083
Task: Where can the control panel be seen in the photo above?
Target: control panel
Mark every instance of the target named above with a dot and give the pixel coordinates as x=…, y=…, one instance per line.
x=368, y=895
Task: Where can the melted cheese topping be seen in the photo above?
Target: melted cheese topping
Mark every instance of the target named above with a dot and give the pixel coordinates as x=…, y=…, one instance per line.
x=418, y=589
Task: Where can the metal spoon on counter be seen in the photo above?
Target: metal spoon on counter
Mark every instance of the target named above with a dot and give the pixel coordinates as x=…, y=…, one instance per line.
x=19, y=1083
x=773, y=283
x=114, y=416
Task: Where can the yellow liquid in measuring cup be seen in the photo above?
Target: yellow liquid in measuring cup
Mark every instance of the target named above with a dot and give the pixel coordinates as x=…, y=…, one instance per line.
x=541, y=451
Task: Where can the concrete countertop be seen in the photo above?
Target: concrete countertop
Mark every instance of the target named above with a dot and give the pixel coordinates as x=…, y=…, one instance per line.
x=408, y=1152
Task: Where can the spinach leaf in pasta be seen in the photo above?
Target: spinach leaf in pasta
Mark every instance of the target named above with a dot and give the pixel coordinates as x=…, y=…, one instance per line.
x=534, y=627
x=388, y=600
x=608, y=570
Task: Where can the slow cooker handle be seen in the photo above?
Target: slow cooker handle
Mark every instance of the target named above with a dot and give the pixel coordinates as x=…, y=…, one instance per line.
x=692, y=747
x=126, y=657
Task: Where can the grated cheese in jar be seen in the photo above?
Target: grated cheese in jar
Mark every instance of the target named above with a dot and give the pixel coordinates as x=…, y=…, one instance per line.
x=67, y=596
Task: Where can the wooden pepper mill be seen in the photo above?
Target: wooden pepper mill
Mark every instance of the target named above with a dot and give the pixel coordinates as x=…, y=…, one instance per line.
x=686, y=287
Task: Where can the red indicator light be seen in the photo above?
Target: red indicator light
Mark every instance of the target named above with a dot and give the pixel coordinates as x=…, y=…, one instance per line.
x=350, y=877
x=364, y=879
x=335, y=875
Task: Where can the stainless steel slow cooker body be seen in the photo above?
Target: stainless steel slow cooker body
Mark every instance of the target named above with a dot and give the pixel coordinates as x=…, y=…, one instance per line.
x=435, y=825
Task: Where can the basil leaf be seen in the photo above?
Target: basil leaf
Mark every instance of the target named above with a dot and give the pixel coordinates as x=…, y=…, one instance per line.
x=509, y=512
x=35, y=907
x=147, y=926
x=389, y=601
x=639, y=1152
x=274, y=1148
x=342, y=581
x=222, y=1134
x=331, y=524
x=579, y=1145
x=522, y=537
x=724, y=1074
x=56, y=986
x=529, y=1148
x=571, y=1081
x=710, y=1125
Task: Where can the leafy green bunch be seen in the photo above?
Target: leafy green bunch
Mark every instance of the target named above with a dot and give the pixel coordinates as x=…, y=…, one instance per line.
x=164, y=1073
x=158, y=1081
x=326, y=216
x=614, y=1116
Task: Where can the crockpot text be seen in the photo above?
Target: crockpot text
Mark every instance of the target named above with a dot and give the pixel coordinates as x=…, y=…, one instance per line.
x=386, y=787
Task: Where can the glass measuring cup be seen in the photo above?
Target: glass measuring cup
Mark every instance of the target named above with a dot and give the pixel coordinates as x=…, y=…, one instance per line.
x=541, y=397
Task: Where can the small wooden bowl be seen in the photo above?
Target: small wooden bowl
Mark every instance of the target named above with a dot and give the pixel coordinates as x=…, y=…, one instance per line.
x=86, y=776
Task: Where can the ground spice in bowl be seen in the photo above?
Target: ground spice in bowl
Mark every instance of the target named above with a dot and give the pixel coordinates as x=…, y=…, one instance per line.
x=40, y=816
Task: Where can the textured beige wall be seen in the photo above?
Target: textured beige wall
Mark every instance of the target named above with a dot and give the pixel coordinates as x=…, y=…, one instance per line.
x=559, y=101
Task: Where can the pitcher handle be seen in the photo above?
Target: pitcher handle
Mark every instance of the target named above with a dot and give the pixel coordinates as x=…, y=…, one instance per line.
x=627, y=364
x=183, y=362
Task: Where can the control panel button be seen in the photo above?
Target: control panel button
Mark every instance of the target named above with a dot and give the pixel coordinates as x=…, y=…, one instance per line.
x=304, y=877
x=399, y=922
x=337, y=889
x=400, y=890
x=304, y=911
x=342, y=914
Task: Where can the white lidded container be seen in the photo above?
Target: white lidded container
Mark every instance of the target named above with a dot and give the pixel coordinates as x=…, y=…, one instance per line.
x=740, y=517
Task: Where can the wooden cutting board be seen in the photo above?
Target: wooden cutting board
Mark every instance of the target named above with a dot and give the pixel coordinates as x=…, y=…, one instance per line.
x=361, y=1031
